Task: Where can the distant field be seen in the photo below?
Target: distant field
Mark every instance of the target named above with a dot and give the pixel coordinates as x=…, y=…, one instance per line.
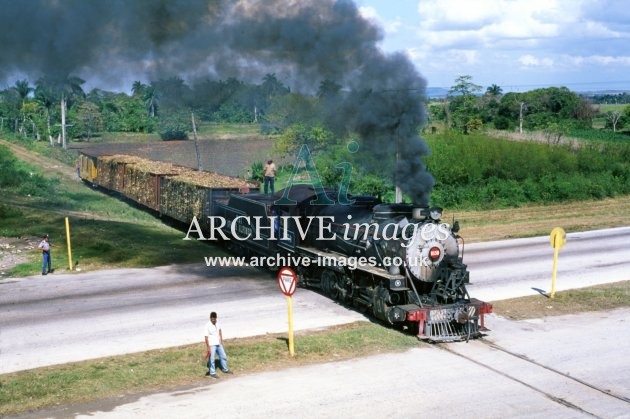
x=205, y=131
x=611, y=107
x=222, y=129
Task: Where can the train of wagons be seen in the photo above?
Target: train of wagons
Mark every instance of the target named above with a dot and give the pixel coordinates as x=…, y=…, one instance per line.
x=398, y=262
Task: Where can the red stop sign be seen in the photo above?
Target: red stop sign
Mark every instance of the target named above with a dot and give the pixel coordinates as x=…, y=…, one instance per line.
x=287, y=280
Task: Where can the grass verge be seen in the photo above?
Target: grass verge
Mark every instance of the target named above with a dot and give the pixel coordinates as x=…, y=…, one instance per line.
x=185, y=366
x=598, y=298
x=100, y=244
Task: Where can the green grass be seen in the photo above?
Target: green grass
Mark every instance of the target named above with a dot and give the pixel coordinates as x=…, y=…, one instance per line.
x=220, y=129
x=612, y=107
x=600, y=135
x=601, y=297
x=98, y=244
x=105, y=231
x=185, y=366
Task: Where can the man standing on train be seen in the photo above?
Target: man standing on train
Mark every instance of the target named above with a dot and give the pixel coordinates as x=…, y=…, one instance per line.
x=269, y=173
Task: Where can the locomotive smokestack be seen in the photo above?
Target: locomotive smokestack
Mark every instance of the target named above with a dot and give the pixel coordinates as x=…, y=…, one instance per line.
x=305, y=41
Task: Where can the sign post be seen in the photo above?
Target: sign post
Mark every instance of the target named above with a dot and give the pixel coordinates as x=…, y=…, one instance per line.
x=557, y=238
x=287, y=280
x=68, y=242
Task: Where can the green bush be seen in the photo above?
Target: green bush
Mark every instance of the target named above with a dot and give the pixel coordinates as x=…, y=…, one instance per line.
x=476, y=171
x=21, y=177
x=174, y=126
x=256, y=171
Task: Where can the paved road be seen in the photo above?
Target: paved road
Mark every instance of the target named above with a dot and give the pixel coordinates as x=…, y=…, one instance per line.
x=514, y=268
x=63, y=318
x=574, y=368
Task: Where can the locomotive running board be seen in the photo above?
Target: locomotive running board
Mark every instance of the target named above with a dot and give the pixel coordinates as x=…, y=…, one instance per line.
x=342, y=261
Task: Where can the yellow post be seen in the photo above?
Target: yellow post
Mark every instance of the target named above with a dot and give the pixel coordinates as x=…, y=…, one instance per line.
x=553, y=272
x=68, y=242
x=290, y=305
x=557, y=238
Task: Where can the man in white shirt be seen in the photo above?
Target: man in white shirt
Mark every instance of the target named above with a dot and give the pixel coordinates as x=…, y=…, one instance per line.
x=214, y=344
x=269, y=175
x=44, y=247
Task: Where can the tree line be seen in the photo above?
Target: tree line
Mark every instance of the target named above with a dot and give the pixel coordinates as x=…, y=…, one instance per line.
x=45, y=110
x=555, y=110
x=57, y=109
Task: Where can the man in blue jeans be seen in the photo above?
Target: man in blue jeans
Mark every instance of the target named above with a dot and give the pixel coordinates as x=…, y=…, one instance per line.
x=44, y=246
x=214, y=345
x=269, y=174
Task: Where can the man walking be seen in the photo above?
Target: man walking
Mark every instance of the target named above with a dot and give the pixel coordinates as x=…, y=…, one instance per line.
x=44, y=247
x=214, y=344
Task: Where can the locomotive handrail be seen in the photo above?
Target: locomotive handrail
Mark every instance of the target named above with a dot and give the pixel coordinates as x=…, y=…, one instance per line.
x=415, y=291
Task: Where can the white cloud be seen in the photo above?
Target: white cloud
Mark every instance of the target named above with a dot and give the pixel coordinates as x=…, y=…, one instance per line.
x=604, y=60
x=509, y=41
x=531, y=61
x=487, y=21
x=390, y=26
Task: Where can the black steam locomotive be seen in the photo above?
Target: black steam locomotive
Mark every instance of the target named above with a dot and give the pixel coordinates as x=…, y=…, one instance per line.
x=399, y=262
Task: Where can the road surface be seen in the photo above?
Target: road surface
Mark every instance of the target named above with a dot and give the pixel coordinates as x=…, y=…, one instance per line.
x=70, y=317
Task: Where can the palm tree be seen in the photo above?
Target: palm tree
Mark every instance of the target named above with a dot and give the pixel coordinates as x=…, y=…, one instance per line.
x=63, y=89
x=138, y=88
x=328, y=89
x=151, y=97
x=148, y=94
x=45, y=97
x=494, y=90
x=23, y=89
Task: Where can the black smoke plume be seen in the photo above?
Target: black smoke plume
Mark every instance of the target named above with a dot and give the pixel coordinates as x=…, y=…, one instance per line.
x=304, y=41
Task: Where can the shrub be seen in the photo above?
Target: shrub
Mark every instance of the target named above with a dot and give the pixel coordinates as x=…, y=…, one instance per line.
x=476, y=171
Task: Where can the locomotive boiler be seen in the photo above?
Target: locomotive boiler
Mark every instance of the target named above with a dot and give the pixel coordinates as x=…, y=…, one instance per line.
x=399, y=262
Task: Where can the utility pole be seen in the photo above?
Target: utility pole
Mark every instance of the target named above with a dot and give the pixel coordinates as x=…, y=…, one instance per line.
x=194, y=127
x=398, y=197
x=63, y=122
x=520, y=117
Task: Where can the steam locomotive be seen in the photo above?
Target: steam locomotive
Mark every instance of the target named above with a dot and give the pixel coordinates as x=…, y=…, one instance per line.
x=399, y=262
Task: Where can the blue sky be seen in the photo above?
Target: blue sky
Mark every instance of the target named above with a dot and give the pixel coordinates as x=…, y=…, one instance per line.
x=518, y=44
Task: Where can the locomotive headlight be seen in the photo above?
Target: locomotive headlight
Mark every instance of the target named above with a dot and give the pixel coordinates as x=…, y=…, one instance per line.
x=435, y=213
x=435, y=253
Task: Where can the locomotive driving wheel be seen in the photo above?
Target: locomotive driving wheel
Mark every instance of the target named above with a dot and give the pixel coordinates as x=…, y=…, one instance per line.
x=330, y=284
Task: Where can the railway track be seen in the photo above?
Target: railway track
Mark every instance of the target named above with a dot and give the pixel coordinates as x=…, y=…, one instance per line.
x=585, y=399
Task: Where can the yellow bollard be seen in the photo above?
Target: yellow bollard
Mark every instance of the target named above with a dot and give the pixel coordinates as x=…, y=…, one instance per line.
x=68, y=242
x=557, y=238
x=290, y=305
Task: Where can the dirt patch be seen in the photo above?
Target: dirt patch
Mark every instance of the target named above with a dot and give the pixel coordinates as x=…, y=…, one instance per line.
x=14, y=251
